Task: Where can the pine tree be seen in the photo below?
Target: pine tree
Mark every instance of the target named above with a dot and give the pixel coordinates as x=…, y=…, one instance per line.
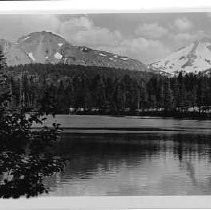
x=167, y=95
x=4, y=84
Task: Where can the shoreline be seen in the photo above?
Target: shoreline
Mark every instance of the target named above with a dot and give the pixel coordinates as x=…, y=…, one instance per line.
x=107, y=124
x=186, y=115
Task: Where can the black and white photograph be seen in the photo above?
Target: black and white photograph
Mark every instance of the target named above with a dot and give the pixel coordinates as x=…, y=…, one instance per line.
x=105, y=104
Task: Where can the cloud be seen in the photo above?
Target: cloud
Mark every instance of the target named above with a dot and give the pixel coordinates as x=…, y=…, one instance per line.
x=82, y=31
x=183, y=24
x=185, y=37
x=143, y=49
x=15, y=26
x=209, y=14
x=151, y=31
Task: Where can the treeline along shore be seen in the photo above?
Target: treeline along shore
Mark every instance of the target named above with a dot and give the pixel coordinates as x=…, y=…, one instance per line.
x=75, y=89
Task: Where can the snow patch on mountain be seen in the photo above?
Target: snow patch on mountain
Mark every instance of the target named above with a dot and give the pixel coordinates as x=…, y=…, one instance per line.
x=60, y=44
x=58, y=56
x=25, y=38
x=31, y=56
x=101, y=54
x=124, y=59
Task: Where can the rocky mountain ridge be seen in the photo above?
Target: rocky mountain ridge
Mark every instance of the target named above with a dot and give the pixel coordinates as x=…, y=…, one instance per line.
x=47, y=47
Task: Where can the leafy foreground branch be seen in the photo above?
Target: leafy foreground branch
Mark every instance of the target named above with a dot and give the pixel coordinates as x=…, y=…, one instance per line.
x=24, y=174
x=25, y=154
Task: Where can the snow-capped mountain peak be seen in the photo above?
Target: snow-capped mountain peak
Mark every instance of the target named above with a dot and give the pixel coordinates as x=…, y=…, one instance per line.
x=194, y=58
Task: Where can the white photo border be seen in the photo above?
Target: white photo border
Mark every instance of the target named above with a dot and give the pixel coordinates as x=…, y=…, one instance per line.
x=106, y=6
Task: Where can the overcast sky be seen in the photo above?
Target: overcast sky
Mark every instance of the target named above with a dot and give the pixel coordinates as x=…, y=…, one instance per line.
x=146, y=37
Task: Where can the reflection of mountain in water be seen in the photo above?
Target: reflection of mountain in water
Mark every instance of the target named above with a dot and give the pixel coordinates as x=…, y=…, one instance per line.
x=154, y=157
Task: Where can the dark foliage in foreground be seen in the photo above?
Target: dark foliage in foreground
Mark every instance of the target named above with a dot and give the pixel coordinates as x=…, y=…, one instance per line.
x=24, y=154
x=108, y=90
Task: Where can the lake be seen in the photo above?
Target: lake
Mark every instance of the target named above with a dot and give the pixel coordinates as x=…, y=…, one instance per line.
x=114, y=156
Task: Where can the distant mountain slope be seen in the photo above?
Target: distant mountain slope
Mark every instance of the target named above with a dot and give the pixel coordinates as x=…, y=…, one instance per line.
x=13, y=53
x=194, y=58
x=47, y=47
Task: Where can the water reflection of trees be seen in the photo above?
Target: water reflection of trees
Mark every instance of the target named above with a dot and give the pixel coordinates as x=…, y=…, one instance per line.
x=191, y=145
x=91, y=153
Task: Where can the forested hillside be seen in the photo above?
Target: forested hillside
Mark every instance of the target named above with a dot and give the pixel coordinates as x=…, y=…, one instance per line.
x=106, y=90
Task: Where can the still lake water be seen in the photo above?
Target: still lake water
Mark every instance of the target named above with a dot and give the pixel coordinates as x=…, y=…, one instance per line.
x=132, y=156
